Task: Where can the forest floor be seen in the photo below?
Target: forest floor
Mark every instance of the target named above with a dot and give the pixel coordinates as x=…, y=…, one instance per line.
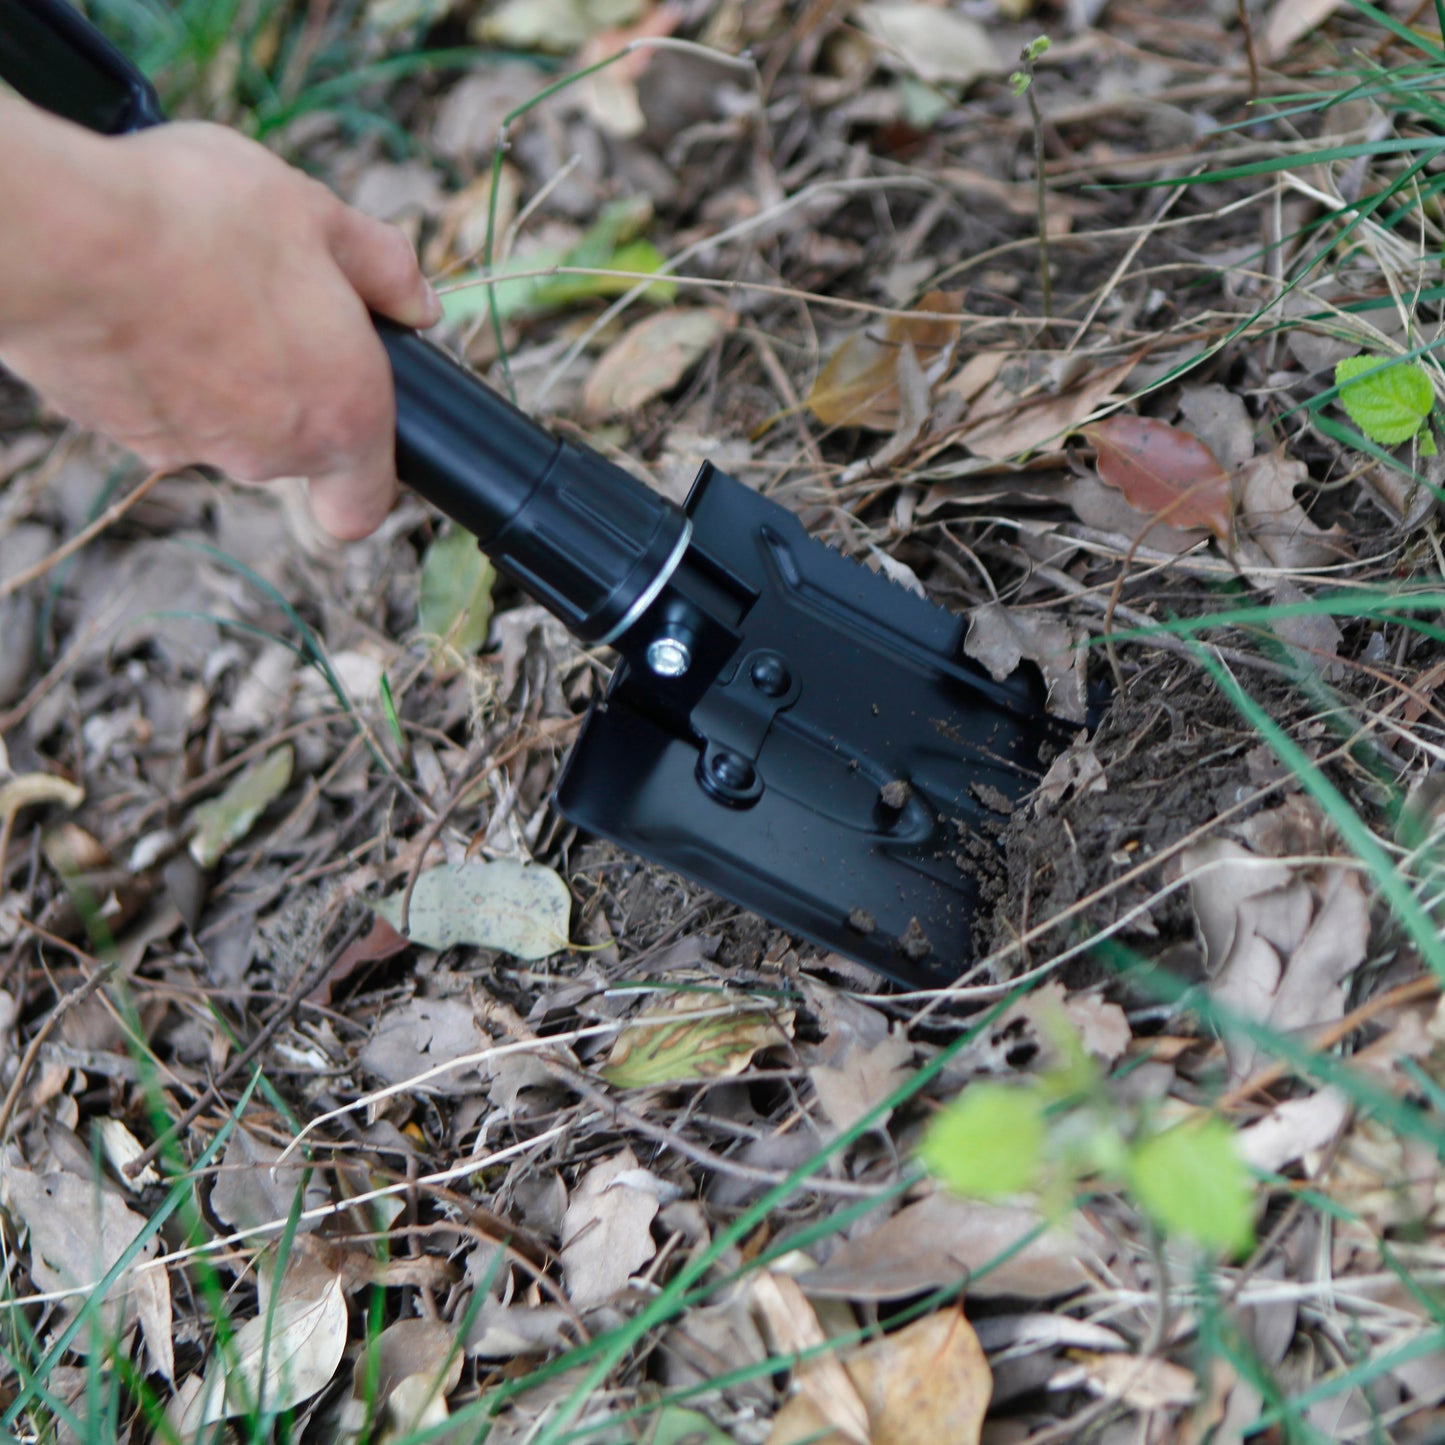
x=587, y=1153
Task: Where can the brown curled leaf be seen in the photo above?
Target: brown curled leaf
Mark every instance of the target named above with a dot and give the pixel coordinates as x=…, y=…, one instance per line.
x=1163, y=470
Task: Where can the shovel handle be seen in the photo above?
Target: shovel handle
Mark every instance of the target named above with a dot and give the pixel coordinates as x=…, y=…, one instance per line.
x=589, y=541
x=55, y=57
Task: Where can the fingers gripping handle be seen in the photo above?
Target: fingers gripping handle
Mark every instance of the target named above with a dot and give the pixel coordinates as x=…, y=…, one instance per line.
x=589, y=541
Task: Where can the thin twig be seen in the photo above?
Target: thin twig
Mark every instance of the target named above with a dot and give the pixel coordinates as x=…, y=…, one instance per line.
x=306, y=979
x=1417, y=990
x=32, y=1050
x=111, y=515
x=1246, y=28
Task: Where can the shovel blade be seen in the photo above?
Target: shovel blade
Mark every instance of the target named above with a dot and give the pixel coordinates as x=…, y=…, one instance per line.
x=872, y=762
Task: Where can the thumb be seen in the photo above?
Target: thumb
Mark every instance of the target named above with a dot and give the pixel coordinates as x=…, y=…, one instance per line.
x=353, y=503
x=378, y=261
x=352, y=490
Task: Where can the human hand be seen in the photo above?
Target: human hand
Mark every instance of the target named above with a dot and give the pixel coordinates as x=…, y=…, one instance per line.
x=198, y=300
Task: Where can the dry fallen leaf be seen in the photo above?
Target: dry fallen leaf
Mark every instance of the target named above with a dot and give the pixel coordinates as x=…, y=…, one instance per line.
x=1103, y=1027
x=121, y=1148
x=928, y=1382
x=556, y=26
x=978, y=372
x=861, y=1079
x=863, y=382
x=721, y=1329
x=155, y=1314
x=21, y=547
x=229, y=818
x=254, y=1191
x=659, y=1048
x=422, y=1035
x=1001, y=637
x=380, y=941
x=1143, y=1383
x=792, y=1326
x=1292, y=20
x=1293, y=1129
x=938, y=45
x=606, y=1232
x=1163, y=470
x=1269, y=516
x=1104, y=509
x=609, y=93
x=505, y=1332
x=1034, y=399
x=1389, y=1181
x=276, y=1360
x=77, y=1231
x=1043, y=1019
x=1281, y=937
x=405, y=1379
x=1076, y=769
x=519, y=908
x=1220, y=419
x=938, y=1239
x=30, y=790
x=651, y=358
x=454, y=602
x=1314, y=639
x=915, y=407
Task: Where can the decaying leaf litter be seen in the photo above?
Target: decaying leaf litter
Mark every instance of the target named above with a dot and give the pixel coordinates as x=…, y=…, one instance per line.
x=544, y=1139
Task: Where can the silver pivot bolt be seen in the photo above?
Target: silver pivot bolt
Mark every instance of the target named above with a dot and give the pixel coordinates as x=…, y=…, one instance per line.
x=669, y=655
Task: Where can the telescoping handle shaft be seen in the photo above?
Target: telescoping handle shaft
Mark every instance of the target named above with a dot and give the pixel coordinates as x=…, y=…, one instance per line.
x=590, y=542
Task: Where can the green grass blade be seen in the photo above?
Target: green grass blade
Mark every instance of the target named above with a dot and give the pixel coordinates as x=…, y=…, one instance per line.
x=1402, y=32
x=1409, y=913
x=1393, y=606
x=1356, y=1377
x=1427, y=147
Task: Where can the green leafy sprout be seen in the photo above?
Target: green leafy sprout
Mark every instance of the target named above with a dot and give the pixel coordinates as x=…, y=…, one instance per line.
x=1063, y=1131
x=1390, y=401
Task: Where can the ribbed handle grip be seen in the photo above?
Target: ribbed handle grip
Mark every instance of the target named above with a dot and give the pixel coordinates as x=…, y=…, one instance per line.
x=584, y=537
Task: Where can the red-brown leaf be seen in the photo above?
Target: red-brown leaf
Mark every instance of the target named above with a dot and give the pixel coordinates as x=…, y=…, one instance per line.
x=381, y=941
x=1163, y=470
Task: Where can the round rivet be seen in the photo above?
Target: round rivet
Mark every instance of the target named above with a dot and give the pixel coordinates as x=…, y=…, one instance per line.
x=770, y=675
x=732, y=771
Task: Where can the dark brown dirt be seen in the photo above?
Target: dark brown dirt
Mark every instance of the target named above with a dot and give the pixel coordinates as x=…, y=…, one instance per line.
x=1173, y=753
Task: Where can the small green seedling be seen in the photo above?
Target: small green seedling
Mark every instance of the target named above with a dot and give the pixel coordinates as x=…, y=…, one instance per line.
x=988, y=1142
x=1020, y=80
x=1390, y=403
x=1063, y=1131
x=1190, y=1180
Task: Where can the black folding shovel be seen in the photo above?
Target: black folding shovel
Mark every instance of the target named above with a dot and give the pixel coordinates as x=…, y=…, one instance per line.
x=792, y=730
